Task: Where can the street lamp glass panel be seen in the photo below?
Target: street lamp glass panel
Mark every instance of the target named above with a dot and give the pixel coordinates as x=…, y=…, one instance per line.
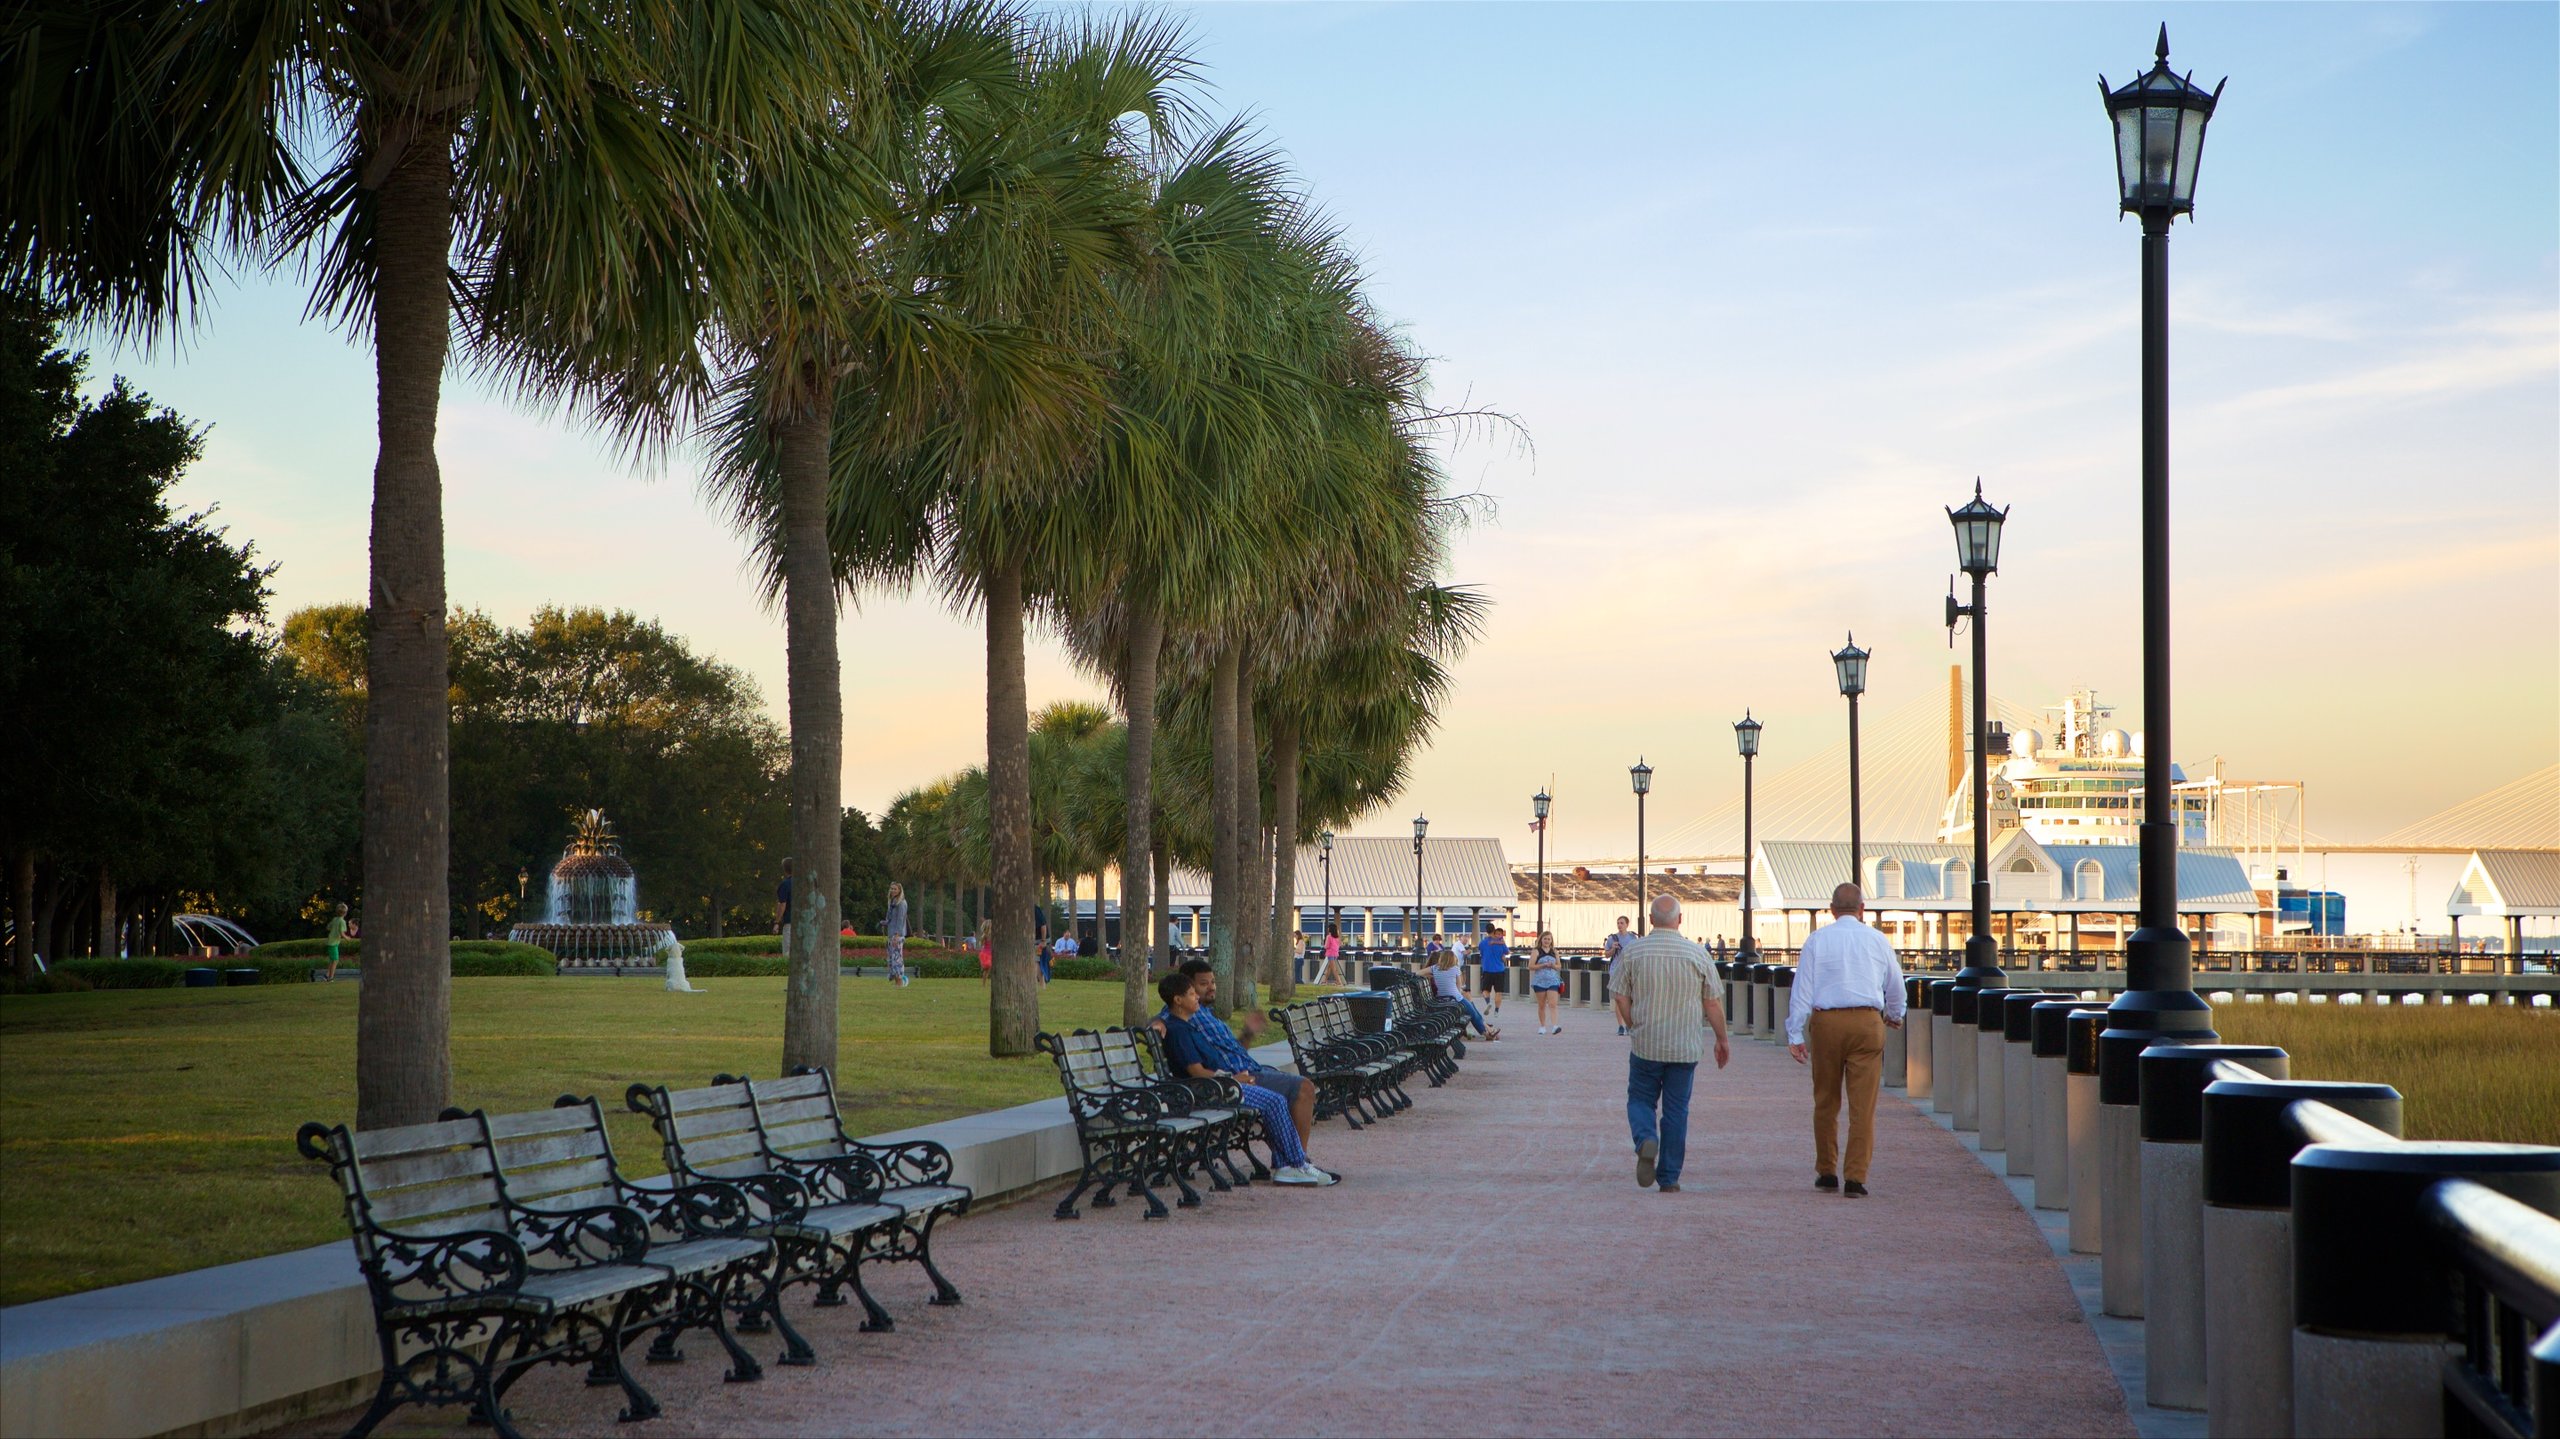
x=1852, y=665
x=1327, y=840
x=1977, y=528
x=1746, y=735
x=1539, y=802
x=1421, y=827
x=1642, y=774
x=2160, y=119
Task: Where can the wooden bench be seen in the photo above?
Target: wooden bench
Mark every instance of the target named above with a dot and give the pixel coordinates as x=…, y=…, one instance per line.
x=825, y=1200
x=804, y=1132
x=477, y=1275
x=1354, y=1073
x=1433, y=1028
x=1133, y=1133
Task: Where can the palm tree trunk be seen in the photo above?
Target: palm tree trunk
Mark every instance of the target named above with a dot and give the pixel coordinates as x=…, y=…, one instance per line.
x=1284, y=885
x=1138, y=697
x=1226, y=857
x=1161, y=959
x=801, y=443
x=1068, y=925
x=1013, y=1016
x=1254, y=909
x=404, y=1063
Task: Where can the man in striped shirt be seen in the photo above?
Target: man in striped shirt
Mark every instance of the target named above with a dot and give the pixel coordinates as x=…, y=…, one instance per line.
x=1665, y=995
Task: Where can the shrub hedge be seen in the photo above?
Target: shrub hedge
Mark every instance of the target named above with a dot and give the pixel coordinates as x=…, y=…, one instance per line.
x=472, y=959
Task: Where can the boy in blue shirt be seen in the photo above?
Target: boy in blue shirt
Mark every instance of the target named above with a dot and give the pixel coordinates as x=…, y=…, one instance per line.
x=1493, y=958
x=1191, y=1050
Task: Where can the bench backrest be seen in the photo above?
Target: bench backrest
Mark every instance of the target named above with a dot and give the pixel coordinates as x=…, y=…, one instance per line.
x=798, y=1113
x=709, y=1133
x=413, y=1181
x=556, y=1158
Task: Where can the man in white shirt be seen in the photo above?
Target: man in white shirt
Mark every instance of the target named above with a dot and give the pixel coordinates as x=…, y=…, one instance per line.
x=1848, y=990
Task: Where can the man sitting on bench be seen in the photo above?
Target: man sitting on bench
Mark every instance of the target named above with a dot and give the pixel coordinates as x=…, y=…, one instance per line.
x=1191, y=1050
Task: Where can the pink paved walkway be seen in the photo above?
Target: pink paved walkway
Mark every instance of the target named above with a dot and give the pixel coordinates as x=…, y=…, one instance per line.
x=1488, y=1267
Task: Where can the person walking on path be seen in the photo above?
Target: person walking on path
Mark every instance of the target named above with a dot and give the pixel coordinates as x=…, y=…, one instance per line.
x=1610, y=949
x=1665, y=996
x=1332, y=952
x=1848, y=991
x=1493, y=961
x=339, y=929
x=782, y=903
x=1546, y=983
x=894, y=924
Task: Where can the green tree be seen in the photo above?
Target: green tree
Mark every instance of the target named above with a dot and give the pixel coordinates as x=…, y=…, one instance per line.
x=154, y=747
x=542, y=167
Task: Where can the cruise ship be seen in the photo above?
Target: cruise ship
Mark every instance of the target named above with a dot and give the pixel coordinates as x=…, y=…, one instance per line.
x=2080, y=784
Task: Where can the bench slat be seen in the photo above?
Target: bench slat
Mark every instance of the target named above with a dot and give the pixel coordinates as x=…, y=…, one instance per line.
x=796, y=1086
x=727, y=1147
x=406, y=1204
x=528, y=1186
x=431, y=1167
x=807, y=1132
x=789, y=1110
x=416, y=1138
x=580, y=1143
x=531, y=1123
x=715, y=1096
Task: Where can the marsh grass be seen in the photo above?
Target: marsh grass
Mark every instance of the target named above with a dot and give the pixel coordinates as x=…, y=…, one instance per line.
x=151, y=1131
x=2487, y=1072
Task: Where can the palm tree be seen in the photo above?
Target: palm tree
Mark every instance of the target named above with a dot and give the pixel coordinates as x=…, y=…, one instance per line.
x=542, y=169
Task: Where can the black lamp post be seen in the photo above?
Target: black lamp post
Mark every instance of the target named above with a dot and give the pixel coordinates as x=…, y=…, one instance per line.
x=1324, y=858
x=2159, y=119
x=1540, y=802
x=1642, y=774
x=1851, y=663
x=1421, y=827
x=1746, y=738
x=524, y=877
x=1977, y=528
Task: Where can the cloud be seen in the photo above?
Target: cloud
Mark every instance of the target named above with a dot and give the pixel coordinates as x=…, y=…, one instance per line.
x=2503, y=351
x=2463, y=563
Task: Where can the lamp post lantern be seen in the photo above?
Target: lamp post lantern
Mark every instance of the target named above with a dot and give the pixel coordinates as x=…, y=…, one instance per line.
x=1421, y=827
x=1746, y=738
x=524, y=877
x=1642, y=775
x=1977, y=527
x=1851, y=665
x=1324, y=859
x=2159, y=118
x=1540, y=802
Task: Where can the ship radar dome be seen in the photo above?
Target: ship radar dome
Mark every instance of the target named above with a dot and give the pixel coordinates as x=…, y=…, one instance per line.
x=2134, y=745
x=2115, y=743
x=2030, y=742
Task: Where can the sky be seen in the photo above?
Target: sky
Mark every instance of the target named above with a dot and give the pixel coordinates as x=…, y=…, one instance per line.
x=1767, y=288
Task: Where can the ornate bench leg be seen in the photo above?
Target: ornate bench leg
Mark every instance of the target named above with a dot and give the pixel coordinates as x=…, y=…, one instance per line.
x=944, y=1291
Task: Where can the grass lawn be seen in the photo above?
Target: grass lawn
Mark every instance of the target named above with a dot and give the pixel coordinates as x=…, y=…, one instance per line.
x=2483, y=1072
x=143, y=1132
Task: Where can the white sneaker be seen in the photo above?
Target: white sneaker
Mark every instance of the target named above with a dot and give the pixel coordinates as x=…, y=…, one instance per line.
x=1303, y=1174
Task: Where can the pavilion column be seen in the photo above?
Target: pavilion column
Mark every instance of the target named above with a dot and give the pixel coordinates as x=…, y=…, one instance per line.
x=2075, y=936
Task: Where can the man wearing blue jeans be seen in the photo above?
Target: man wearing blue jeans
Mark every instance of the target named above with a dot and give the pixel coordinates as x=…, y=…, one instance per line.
x=1665, y=995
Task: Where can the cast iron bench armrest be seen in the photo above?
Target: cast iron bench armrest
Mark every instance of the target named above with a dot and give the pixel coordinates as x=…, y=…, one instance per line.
x=464, y=1264
x=587, y=1236
x=852, y=1178
x=701, y=1210
x=913, y=1161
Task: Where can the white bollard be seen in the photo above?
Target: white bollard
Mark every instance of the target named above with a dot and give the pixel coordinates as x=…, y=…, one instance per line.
x=1990, y=1071
x=2120, y=1213
x=1942, y=1050
x=2088, y=1193
x=1772, y=1023
x=1897, y=1059
x=1915, y=1024
x=1964, y=1011
x=2171, y=1118
x=2248, y=1243
x=2017, y=1080
x=2051, y=1082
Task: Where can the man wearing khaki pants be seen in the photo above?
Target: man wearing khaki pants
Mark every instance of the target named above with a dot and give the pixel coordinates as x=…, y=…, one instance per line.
x=1848, y=991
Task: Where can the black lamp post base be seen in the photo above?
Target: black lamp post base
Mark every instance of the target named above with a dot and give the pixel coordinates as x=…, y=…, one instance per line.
x=2140, y=1018
x=1981, y=965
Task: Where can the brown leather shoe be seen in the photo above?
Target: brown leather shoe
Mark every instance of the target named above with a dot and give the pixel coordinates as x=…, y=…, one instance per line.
x=1666, y=1189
